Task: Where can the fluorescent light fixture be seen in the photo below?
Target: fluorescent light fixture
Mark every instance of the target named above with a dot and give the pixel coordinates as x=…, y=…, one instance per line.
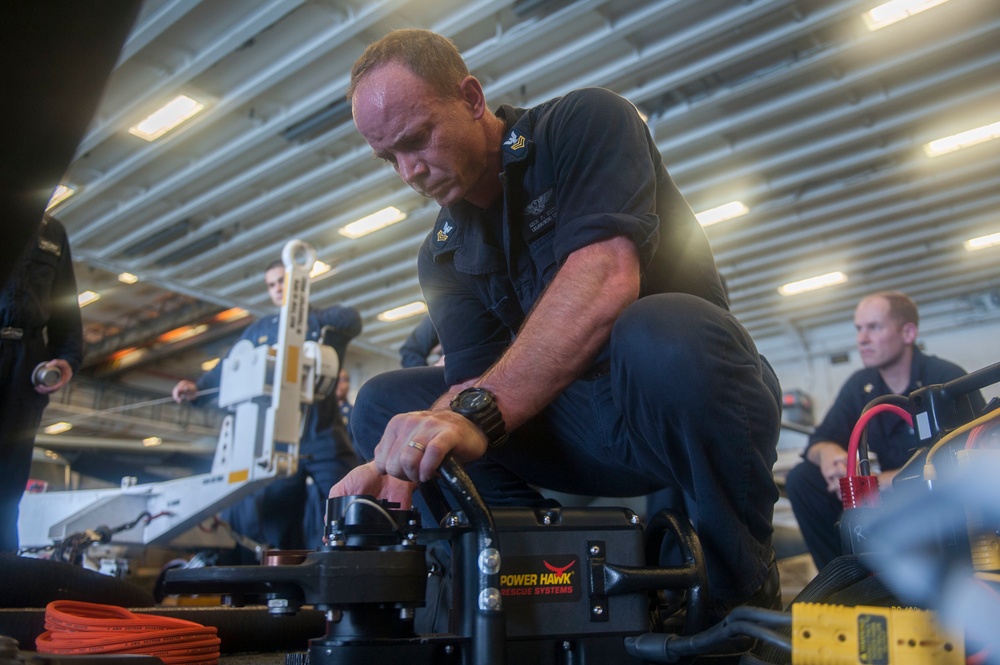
x=162, y=121
x=722, y=213
x=373, y=222
x=62, y=193
x=982, y=242
x=87, y=297
x=58, y=428
x=897, y=10
x=963, y=140
x=812, y=283
x=182, y=333
x=126, y=357
x=127, y=278
x=319, y=268
x=208, y=365
x=231, y=314
x=403, y=311
x=151, y=441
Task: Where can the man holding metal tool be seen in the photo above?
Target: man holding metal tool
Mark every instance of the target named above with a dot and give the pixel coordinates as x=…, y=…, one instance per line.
x=275, y=514
x=590, y=348
x=41, y=345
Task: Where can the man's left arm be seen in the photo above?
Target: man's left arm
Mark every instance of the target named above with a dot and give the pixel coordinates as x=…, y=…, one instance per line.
x=558, y=342
x=565, y=331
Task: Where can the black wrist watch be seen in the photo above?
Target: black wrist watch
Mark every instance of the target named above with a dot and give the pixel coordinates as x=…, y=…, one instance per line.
x=480, y=406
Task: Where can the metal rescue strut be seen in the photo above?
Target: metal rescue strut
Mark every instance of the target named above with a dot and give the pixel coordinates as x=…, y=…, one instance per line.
x=263, y=387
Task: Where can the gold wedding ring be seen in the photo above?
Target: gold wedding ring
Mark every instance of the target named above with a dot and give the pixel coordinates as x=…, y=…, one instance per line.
x=416, y=444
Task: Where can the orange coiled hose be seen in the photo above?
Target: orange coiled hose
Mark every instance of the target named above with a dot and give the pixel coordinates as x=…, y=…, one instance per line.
x=74, y=627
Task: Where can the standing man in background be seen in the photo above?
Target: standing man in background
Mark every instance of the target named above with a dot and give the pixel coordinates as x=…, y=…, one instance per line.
x=886, y=324
x=275, y=514
x=40, y=327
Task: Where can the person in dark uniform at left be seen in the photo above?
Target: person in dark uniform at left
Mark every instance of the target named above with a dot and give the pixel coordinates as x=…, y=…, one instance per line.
x=40, y=329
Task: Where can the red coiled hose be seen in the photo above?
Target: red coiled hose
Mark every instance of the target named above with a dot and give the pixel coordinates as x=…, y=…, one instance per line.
x=75, y=627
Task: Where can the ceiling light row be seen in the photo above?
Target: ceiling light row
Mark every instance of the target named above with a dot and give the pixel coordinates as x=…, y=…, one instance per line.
x=837, y=277
x=63, y=426
x=895, y=11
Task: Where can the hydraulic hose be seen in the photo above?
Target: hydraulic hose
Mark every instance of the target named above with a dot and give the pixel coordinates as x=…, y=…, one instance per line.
x=79, y=628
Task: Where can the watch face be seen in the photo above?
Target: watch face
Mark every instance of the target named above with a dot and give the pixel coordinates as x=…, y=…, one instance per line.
x=475, y=400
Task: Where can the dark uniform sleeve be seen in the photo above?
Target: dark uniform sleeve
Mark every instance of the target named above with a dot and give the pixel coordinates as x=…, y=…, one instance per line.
x=338, y=326
x=65, y=327
x=839, y=421
x=606, y=173
x=419, y=344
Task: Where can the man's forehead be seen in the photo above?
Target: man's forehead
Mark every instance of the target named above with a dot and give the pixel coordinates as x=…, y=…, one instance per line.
x=872, y=309
x=385, y=98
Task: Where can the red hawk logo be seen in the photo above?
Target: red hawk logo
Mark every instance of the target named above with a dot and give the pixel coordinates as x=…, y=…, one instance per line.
x=557, y=570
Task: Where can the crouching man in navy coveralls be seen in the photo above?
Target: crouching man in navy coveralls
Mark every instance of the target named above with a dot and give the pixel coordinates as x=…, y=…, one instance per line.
x=590, y=348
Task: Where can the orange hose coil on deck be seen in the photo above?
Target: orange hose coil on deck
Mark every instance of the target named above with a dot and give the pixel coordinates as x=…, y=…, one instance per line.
x=78, y=628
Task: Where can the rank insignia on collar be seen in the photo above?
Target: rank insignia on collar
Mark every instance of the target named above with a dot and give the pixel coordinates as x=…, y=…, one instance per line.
x=444, y=232
x=515, y=142
x=869, y=387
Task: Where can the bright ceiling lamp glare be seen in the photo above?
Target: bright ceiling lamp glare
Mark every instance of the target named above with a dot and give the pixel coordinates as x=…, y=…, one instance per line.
x=373, y=222
x=175, y=112
x=319, y=268
x=231, y=314
x=982, y=242
x=895, y=11
x=722, y=213
x=87, y=297
x=812, y=283
x=963, y=140
x=58, y=428
x=61, y=194
x=127, y=278
x=151, y=441
x=182, y=333
x=403, y=311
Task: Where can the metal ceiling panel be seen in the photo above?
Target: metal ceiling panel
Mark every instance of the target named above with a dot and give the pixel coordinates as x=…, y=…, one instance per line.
x=794, y=107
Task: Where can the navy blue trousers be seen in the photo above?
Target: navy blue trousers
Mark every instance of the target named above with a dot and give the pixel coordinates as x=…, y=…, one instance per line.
x=21, y=411
x=689, y=403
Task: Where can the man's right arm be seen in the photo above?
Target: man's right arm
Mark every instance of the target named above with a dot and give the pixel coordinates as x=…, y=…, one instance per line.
x=186, y=390
x=831, y=458
x=827, y=447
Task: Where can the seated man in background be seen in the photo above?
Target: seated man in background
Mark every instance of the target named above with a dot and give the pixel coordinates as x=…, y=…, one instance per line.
x=276, y=514
x=887, y=331
x=590, y=348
